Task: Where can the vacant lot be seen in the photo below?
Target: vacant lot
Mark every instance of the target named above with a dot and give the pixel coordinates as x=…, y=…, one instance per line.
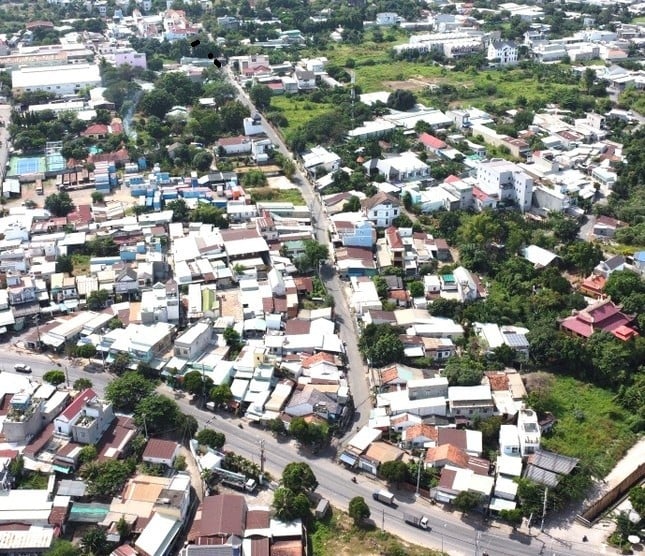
x=337, y=537
x=298, y=110
x=590, y=424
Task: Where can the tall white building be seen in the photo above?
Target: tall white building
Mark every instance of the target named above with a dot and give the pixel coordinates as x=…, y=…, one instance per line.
x=506, y=181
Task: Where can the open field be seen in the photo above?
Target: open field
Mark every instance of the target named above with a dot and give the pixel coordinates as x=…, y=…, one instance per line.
x=590, y=424
x=336, y=536
x=298, y=109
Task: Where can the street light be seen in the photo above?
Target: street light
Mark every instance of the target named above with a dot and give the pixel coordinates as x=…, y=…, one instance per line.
x=419, y=472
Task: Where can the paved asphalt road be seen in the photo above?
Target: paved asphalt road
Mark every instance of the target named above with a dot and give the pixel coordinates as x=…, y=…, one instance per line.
x=358, y=382
x=457, y=536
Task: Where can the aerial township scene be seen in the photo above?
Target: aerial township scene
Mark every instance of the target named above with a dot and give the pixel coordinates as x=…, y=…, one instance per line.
x=334, y=278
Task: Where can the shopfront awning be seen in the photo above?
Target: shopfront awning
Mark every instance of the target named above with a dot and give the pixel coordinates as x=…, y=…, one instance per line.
x=348, y=458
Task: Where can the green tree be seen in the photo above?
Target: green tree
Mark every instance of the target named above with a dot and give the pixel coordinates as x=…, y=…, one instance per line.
x=82, y=384
x=127, y=391
x=381, y=344
x=114, y=323
x=88, y=453
x=314, y=253
x=637, y=499
x=402, y=99
x=358, y=510
x=195, y=382
x=97, y=299
x=254, y=178
x=120, y=364
x=221, y=394
x=394, y=471
x=123, y=528
x=622, y=284
x=157, y=103
x=582, y=256
x=353, y=204
x=209, y=214
x=180, y=211
x=232, y=337
x=97, y=197
x=513, y=517
x=298, y=477
x=289, y=505
x=86, y=351
x=106, y=478
x=564, y=229
x=59, y=204
x=416, y=289
x=463, y=371
x=95, y=542
x=467, y=500
x=202, y=161
x=211, y=438
x=180, y=463
x=276, y=426
x=261, y=96
x=54, y=377
x=159, y=412
x=62, y=547
x=64, y=263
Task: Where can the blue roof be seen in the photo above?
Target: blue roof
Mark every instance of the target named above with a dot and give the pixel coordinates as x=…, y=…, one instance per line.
x=639, y=256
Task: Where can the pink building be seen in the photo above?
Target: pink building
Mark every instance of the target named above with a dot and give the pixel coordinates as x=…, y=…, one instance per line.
x=130, y=58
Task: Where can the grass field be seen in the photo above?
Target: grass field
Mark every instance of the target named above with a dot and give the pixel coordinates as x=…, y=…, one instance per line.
x=337, y=537
x=639, y=20
x=298, y=109
x=590, y=424
x=81, y=264
x=277, y=195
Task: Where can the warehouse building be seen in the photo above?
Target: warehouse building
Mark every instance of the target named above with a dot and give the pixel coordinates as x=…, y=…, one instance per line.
x=61, y=80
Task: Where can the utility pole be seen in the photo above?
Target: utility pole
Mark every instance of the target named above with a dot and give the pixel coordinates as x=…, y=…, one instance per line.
x=419, y=473
x=37, y=321
x=383, y=520
x=546, y=490
x=67, y=375
x=145, y=426
x=262, y=456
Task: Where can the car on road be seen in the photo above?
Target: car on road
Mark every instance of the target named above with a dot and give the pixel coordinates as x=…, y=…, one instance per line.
x=20, y=368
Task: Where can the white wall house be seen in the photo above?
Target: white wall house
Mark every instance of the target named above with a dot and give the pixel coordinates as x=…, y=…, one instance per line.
x=193, y=342
x=381, y=209
x=503, y=53
x=506, y=181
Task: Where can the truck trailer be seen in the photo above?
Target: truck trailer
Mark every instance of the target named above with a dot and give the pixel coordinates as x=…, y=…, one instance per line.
x=384, y=496
x=419, y=521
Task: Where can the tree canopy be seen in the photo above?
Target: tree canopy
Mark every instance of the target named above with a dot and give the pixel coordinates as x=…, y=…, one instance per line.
x=128, y=390
x=298, y=477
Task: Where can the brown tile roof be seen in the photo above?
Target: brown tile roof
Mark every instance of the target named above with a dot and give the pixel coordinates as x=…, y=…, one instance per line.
x=222, y=515
x=378, y=199
x=227, y=141
x=304, y=283
x=260, y=547
x=447, y=478
x=498, y=381
x=441, y=244
x=456, y=437
x=318, y=358
x=160, y=449
x=297, y=326
x=393, y=238
x=114, y=437
x=448, y=453
x=292, y=547
x=40, y=441
x=233, y=235
x=390, y=374
x=399, y=295
x=58, y=515
x=415, y=431
x=257, y=519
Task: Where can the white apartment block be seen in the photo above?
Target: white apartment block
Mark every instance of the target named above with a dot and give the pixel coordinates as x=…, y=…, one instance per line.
x=506, y=181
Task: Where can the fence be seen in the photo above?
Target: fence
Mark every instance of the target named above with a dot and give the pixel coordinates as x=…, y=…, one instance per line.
x=592, y=512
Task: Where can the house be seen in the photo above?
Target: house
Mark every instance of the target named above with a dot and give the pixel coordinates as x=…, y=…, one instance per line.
x=320, y=158
x=126, y=282
x=605, y=227
x=538, y=257
x=306, y=79
x=419, y=436
x=219, y=518
x=193, y=342
x=240, y=144
x=387, y=18
x=547, y=468
x=161, y=452
x=468, y=401
x=431, y=143
x=505, y=182
x=454, y=480
x=381, y=209
x=502, y=53
x=603, y=316
x=311, y=401
x=528, y=431
x=85, y=419
x=403, y=167
x=611, y=265
x=253, y=125
x=360, y=233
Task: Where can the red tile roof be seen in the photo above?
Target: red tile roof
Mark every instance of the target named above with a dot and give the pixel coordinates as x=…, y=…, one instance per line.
x=416, y=431
x=82, y=215
x=431, y=141
x=73, y=409
x=451, y=454
x=160, y=449
x=321, y=357
x=498, y=381
x=452, y=179
x=393, y=238
x=96, y=129
x=228, y=141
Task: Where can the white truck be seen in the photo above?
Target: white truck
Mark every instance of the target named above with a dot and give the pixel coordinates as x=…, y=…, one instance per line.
x=384, y=496
x=419, y=521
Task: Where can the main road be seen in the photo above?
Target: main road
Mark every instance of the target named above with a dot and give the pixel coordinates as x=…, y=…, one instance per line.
x=456, y=536
x=358, y=373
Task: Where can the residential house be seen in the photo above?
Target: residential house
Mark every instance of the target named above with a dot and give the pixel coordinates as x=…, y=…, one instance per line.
x=431, y=143
x=381, y=209
x=420, y=436
x=605, y=227
x=194, y=341
x=126, y=282
x=603, y=316
x=85, y=419
x=160, y=452
x=454, y=480
x=161, y=303
x=306, y=79
x=470, y=401
x=320, y=158
x=611, y=265
x=311, y=401
x=491, y=336
x=403, y=167
x=505, y=181
x=387, y=18
x=253, y=125
x=509, y=440
x=240, y=144
x=547, y=468
x=502, y=53
x=359, y=233
x=528, y=431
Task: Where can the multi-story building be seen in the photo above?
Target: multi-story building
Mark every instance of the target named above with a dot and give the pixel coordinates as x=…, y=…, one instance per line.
x=506, y=181
x=85, y=419
x=381, y=209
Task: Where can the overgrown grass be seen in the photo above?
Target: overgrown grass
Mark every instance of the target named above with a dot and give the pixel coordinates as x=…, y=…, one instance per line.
x=81, y=264
x=32, y=480
x=277, y=195
x=590, y=424
x=298, y=109
x=336, y=536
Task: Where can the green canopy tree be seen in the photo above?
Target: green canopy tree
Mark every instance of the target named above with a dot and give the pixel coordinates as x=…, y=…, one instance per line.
x=195, y=382
x=95, y=543
x=211, y=438
x=221, y=394
x=298, y=477
x=82, y=384
x=127, y=391
x=394, y=471
x=358, y=510
x=54, y=377
x=289, y=505
x=159, y=413
x=59, y=204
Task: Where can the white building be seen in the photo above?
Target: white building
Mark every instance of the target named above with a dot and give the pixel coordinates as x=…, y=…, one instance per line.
x=61, y=80
x=253, y=125
x=529, y=432
x=503, y=53
x=193, y=342
x=320, y=157
x=506, y=181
